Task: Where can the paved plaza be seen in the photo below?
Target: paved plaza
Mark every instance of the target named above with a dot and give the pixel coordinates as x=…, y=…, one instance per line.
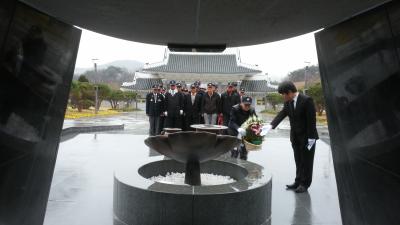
x=82, y=187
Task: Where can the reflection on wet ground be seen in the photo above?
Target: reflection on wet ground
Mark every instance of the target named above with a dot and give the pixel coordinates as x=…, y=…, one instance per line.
x=82, y=187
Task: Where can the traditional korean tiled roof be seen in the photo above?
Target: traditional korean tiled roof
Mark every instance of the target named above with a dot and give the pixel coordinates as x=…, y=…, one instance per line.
x=143, y=84
x=256, y=86
x=202, y=63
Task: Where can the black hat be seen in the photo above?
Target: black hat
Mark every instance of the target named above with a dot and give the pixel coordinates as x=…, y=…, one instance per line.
x=234, y=84
x=241, y=89
x=172, y=82
x=193, y=86
x=247, y=100
x=210, y=84
x=178, y=84
x=155, y=86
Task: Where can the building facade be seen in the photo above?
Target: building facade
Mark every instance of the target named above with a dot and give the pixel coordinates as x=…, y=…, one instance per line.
x=188, y=67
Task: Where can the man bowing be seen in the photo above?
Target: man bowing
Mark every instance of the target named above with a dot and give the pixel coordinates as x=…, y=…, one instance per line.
x=303, y=132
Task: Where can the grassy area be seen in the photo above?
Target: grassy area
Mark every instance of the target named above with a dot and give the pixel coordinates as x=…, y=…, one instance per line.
x=129, y=109
x=321, y=120
x=74, y=114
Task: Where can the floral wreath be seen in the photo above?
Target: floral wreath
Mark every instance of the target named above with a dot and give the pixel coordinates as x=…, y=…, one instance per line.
x=254, y=127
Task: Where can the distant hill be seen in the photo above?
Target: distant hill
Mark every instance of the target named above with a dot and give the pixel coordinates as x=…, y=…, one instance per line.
x=129, y=65
x=298, y=75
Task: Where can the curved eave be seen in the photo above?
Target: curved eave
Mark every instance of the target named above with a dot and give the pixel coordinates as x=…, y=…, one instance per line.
x=196, y=73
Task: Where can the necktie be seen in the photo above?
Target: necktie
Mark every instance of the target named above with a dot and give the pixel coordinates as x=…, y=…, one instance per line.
x=292, y=107
x=155, y=98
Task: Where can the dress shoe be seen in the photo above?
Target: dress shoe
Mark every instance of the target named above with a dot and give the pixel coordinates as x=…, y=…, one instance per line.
x=243, y=157
x=234, y=153
x=292, y=186
x=300, y=189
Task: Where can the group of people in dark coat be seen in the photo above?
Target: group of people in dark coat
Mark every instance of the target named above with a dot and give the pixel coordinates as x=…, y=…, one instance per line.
x=181, y=108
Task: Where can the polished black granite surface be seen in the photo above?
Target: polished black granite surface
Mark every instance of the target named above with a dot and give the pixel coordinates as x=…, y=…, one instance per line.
x=37, y=59
x=82, y=188
x=359, y=64
x=139, y=200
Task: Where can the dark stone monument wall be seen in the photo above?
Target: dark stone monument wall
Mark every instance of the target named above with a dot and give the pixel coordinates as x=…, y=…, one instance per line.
x=37, y=59
x=360, y=70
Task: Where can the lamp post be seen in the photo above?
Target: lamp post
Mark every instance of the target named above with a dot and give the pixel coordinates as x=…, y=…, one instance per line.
x=96, y=88
x=305, y=76
x=265, y=97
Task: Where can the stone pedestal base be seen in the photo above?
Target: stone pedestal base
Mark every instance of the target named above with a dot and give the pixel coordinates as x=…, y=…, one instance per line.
x=140, y=201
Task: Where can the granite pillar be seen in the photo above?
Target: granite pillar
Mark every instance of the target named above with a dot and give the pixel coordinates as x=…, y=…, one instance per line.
x=37, y=59
x=360, y=71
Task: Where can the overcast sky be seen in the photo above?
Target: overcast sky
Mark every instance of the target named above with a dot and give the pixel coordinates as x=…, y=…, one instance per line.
x=276, y=58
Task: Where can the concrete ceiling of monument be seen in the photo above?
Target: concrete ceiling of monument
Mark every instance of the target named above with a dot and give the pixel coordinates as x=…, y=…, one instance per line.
x=230, y=22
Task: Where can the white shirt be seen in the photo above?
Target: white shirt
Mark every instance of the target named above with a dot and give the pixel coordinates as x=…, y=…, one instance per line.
x=295, y=99
x=155, y=97
x=193, y=97
x=172, y=92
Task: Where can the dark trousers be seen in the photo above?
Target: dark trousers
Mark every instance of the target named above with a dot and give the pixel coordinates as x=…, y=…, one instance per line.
x=183, y=122
x=201, y=119
x=304, y=159
x=161, y=124
x=173, y=121
x=226, y=118
x=190, y=120
x=154, y=125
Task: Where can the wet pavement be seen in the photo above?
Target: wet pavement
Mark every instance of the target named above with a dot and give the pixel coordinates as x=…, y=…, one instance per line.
x=135, y=122
x=82, y=187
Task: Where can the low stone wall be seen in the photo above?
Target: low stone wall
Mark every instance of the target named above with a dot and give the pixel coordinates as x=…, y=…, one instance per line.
x=89, y=129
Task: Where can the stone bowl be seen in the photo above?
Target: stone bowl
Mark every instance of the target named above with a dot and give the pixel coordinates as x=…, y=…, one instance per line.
x=192, y=148
x=191, y=145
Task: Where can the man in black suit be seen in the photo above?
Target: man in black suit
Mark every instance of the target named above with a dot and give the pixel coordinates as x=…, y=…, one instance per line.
x=192, y=109
x=202, y=93
x=228, y=99
x=162, y=117
x=173, y=107
x=154, y=109
x=303, y=132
